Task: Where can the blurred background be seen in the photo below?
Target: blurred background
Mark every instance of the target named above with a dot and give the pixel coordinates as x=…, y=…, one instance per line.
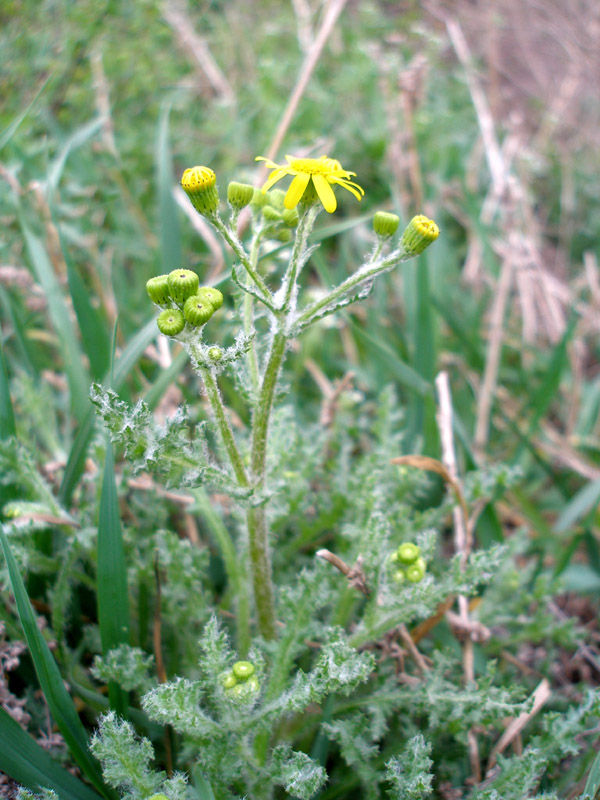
x=483, y=115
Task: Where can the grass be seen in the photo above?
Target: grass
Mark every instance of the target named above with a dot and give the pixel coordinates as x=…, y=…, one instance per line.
x=109, y=108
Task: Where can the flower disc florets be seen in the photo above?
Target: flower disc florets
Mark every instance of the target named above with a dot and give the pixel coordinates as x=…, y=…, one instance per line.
x=312, y=173
x=419, y=234
x=200, y=185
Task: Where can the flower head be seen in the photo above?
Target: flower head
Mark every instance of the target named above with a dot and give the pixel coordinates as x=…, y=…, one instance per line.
x=200, y=185
x=323, y=172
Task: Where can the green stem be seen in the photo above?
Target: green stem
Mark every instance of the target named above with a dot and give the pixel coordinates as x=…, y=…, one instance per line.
x=260, y=559
x=249, y=315
x=237, y=247
x=216, y=402
x=234, y=566
x=305, y=224
x=364, y=274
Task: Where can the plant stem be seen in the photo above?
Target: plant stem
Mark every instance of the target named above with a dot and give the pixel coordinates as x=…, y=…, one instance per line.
x=216, y=402
x=249, y=315
x=260, y=558
x=305, y=224
x=237, y=247
x=365, y=273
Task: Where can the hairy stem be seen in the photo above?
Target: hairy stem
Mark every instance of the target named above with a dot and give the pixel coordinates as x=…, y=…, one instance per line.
x=249, y=316
x=238, y=248
x=216, y=402
x=260, y=558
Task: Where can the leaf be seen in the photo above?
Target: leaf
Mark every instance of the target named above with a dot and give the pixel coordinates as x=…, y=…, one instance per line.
x=92, y=325
x=26, y=762
x=592, y=785
x=581, y=504
x=59, y=701
x=113, y=599
x=123, y=367
x=7, y=417
x=77, y=376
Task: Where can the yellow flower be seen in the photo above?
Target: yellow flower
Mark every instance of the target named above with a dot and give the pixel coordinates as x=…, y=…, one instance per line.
x=322, y=171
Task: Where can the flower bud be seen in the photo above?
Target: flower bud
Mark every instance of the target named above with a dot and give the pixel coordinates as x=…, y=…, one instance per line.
x=385, y=225
x=183, y=283
x=158, y=797
x=399, y=576
x=271, y=214
x=228, y=680
x=408, y=553
x=416, y=572
x=211, y=295
x=158, y=290
x=200, y=185
x=239, y=194
x=276, y=199
x=259, y=199
x=243, y=670
x=170, y=322
x=215, y=353
x=419, y=234
x=284, y=235
x=197, y=311
x=290, y=217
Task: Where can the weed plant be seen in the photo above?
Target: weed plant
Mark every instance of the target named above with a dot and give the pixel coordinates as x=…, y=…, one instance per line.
x=233, y=579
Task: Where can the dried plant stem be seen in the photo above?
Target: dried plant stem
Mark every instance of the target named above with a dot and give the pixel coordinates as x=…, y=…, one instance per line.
x=462, y=543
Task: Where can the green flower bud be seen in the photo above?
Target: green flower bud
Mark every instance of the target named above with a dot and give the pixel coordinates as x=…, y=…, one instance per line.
x=252, y=684
x=393, y=559
x=408, y=553
x=416, y=572
x=239, y=194
x=183, y=283
x=276, y=199
x=158, y=290
x=158, y=797
x=399, y=576
x=243, y=670
x=170, y=322
x=211, y=295
x=290, y=217
x=197, y=311
x=419, y=234
x=259, y=199
x=284, y=235
x=228, y=680
x=200, y=185
x=385, y=225
x=271, y=214
x=215, y=353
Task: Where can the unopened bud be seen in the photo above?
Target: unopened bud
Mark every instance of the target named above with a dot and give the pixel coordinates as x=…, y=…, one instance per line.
x=170, y=322
x=239, y=194
x=197, y=311
x=385, y=225
x=408, y=553
x=211, y=295
x=158, y=290
x=183, y=283
x=419, y=234
x=200, y=185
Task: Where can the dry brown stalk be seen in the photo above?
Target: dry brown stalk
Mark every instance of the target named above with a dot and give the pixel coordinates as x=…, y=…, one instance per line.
x=197, y=51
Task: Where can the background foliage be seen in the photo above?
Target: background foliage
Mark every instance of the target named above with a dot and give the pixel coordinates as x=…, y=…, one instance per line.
x=480, y=115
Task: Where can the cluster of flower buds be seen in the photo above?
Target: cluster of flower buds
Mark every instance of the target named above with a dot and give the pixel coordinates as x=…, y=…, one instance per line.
x=183, y=300
x=418, y=234
x=240, y=683
x=408, y=564
x=277, y=219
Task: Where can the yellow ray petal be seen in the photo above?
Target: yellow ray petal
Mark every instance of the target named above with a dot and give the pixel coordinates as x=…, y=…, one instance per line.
x=354, y=188
x=268, y=163
x=296, y=190
x=325, y=192
x=275, y=176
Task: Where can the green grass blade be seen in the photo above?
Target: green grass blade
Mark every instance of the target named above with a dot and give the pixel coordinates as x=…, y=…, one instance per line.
x=7, y=417
x=77, y=376
x=170, y=241
x=77, y=139
x=14, y=126
x=592, y=786
x=92, y=325
x=113, y=600
x=582, y=503
x=26, y=762
x=59, y=701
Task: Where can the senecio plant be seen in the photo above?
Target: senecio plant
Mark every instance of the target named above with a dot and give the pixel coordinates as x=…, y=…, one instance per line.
x=313, y=663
